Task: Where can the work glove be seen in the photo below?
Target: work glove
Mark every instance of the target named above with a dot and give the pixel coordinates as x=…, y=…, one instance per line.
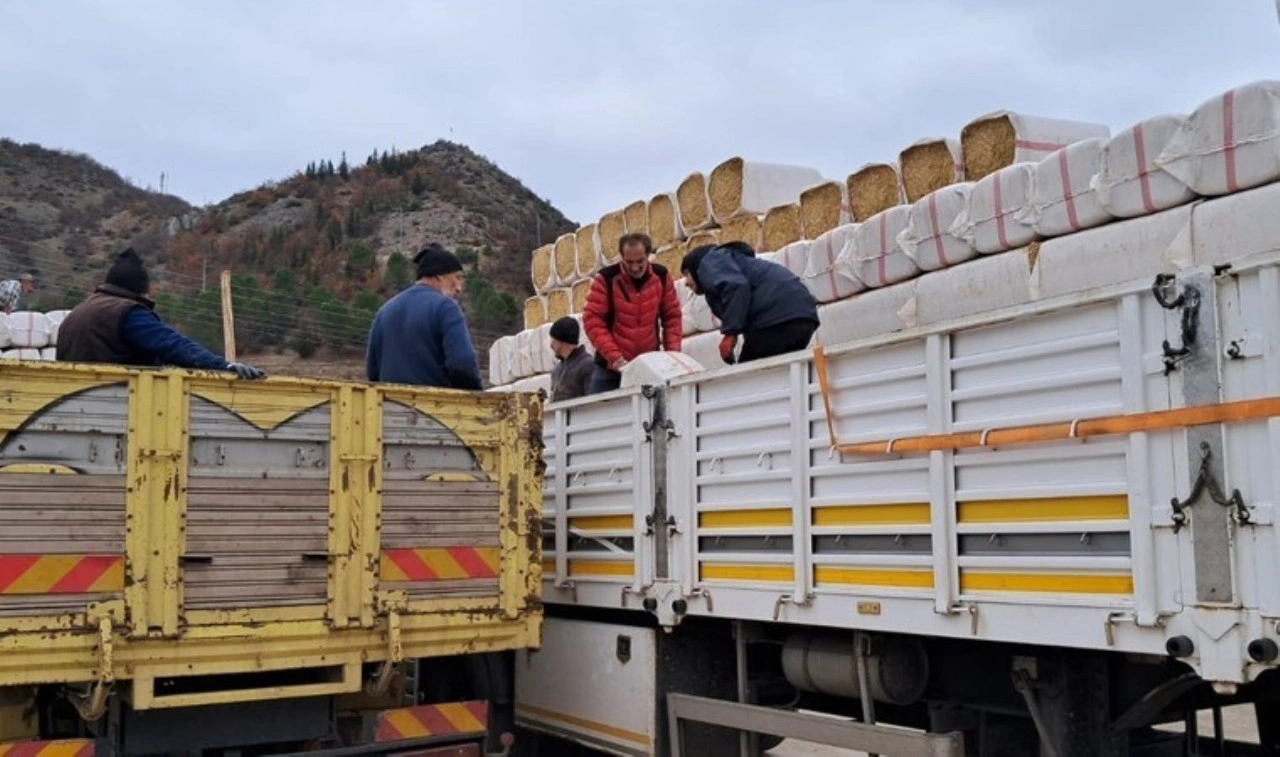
x=246, y=371
x=727, y=344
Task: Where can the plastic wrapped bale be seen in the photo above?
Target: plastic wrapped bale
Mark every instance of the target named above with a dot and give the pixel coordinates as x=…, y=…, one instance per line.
x=587, y=249
x=874, y=253
x=694, y=204
x=703, y=238
x=1063, y=199
x=872, y=313
x=669, y=257
x=827, y=276
x=703, y=319
x=664, y=220
x=928, y=239
x=738, y=186
x=534, y=384
x=524, y=364
x=794, y=257
x=1230, y=143
x=985, y=285
x=991, y=221
x=1001, y=139
x=781, y=227
x=49, y=353
x=1129, y=182
x=535, y=312
x=543, y=269
x=543, y=358
x=565, y=255
x=578, y=294
x=1136, y=250
x=28, y=329
x=501, y=358
x=5, y=341
x=744, y=227
x=929, y=165
x=704, y=348
x=56, y=317
x=686, y=297
x=873, y=188
x=559, y=303
x=21, y=353
x=823, y=207
x=611, y=228
x=636, y=216
x=655, y=368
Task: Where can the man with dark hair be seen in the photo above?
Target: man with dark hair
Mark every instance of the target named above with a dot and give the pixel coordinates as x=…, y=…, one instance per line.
x=761, y=301
x=571, y=377
x=631, y=309
x=420, y=336
x=118, y=324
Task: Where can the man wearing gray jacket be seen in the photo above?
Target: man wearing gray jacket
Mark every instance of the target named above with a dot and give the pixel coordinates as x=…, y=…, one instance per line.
x=572, y=374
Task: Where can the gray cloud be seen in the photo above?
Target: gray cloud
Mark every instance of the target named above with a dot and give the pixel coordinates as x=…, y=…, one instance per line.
x=591, y=104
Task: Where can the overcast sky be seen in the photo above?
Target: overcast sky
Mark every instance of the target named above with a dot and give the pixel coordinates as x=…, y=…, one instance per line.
x=591, y=104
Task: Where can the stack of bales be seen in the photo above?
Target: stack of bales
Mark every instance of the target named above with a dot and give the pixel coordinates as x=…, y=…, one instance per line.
x=28, y=335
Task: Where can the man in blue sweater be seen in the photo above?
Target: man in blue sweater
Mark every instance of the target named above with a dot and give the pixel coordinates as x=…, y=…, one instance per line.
x=420, y=336
x=118, y=324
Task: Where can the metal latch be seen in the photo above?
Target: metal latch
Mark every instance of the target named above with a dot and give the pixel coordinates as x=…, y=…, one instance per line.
x=1205, y=482
x=93, y=706
x=1188, y=301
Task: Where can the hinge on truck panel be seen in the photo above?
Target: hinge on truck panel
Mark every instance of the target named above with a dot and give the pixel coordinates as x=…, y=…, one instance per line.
x=1163, y=289
x=395, y=653
x=1205, y=482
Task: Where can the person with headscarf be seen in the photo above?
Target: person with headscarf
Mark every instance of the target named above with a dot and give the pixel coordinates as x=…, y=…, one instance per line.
x=759, y=301
x=118, y=324
x=420, y=336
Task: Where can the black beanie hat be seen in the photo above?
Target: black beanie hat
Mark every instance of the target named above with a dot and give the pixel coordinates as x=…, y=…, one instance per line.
x=435, y=260
x=566, y=330
x=128, y=272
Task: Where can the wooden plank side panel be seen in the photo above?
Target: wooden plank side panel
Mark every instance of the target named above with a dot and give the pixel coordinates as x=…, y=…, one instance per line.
x=43, y=515
x=256, y=543
x=440, y=538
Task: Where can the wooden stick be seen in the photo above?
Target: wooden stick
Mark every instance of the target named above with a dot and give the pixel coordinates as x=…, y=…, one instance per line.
x=228, y=320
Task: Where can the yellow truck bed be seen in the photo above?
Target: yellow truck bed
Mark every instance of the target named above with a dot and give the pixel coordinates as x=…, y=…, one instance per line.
x=171, y=531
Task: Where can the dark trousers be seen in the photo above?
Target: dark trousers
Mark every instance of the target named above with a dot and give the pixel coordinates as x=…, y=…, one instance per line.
x=603, y=380
x=785, y=337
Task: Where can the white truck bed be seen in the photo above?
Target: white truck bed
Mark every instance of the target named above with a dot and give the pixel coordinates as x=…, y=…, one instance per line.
x=736, y=505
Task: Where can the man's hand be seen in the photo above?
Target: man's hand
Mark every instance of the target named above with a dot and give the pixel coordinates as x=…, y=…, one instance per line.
x=246, y=371
x=727, y=343
x=617, y=365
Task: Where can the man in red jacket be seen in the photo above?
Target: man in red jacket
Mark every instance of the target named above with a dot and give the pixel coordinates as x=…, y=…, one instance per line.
x=632, y=309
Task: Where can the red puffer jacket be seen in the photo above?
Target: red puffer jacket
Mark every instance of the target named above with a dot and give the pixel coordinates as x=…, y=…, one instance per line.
x=624, y=321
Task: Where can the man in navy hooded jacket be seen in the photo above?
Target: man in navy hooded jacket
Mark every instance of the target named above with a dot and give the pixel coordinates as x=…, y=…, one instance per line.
x=420, y=336
x=762, y=302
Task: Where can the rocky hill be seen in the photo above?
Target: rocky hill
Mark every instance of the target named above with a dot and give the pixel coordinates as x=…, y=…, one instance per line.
x=312, y=256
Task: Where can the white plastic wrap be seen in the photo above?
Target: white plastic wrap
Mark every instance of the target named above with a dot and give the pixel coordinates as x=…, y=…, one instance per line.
x=928, y=238
x=21, y=353
x=990, y=222
x=49, y=353
x=827, y=276
x=986, y=284
x=1230, y=228
x=1135, y=250
x=5, y=341
x=1129, y=182
x=874, y=253
x=705, y=349
x=658, y=368
x=874, y=312
x=500, y=360
x=522, y=357
x=740, y=186
x=794, y=257
x=1230, y=143
x=29, y=329
x=1063, y=199
x=56, y=317
x=534, y=384
x=540, y=347
x=686, y=297
x=703, y=319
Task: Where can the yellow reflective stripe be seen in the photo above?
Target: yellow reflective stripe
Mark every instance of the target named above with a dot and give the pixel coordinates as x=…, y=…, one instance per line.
x=601, y=568
x=778, y=516
x=602, y=522
x=872, y=515
x=1111, y=507
x=461, y=718
x=745, y=572
x=1047, y=583
x=548, y=566
x=832, y=574
x=584, y=724
x=406, y=723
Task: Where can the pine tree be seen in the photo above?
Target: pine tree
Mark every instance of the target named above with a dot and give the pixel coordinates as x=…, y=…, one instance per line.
x=343, y=169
